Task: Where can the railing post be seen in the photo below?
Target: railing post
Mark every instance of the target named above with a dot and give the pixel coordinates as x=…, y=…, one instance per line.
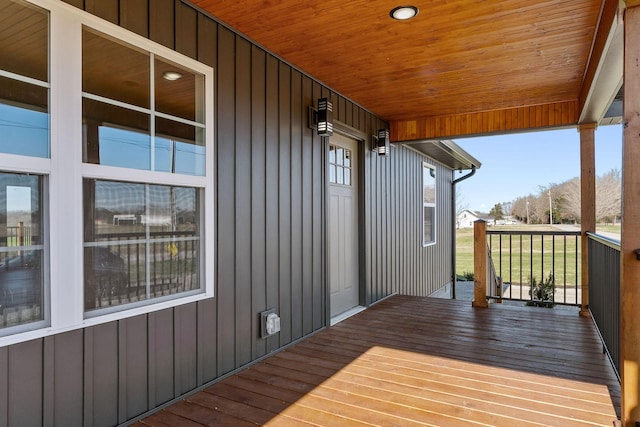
x=480, y=264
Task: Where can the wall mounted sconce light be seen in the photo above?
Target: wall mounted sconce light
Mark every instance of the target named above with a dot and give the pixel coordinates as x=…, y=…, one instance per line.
x=324, y=117
x=382, y=144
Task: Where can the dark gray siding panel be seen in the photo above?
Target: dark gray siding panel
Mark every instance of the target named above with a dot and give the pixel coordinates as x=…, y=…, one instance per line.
x=296, y=205
x=226, y=201
x=161, y=22
x=317, y=230
x=306, y=250
x=244, y=318
x=258, y=197
x=67, y=376
x=207, y=41
x=284, y=199
x=161, y=357
x=4, y=386
x=105, y=9
x=186, y=30
x=132, y=372
x=134, y=16
x=207, y=339
x=101, y=375
x=25, y=384
x=272, y=192
x=185, y=336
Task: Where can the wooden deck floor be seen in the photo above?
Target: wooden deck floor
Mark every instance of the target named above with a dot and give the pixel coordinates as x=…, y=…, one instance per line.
x=419, y=361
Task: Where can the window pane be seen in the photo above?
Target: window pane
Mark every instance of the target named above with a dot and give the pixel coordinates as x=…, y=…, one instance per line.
x=179, y=148
x=141, y=242
x=347, y=158
x=332, y=174
x=21, y=250
x=339, y=156
x=176, y=89
x=347, y=176
x=24, y=119
x=429, y=224
x=429, y=185
x=114, y=70
x=332, y=154
x=115, y=136
x=24, y=44
x=340, y=175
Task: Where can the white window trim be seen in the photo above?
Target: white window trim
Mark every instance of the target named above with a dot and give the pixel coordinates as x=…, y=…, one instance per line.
x=434, y=205
x=65, y=172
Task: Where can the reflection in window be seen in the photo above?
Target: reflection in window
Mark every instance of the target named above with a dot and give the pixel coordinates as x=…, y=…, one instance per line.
x=22, y=263
x=142, y=242
x=339, y=165
x=124, y=126
x=429, y=203
x=24, y=88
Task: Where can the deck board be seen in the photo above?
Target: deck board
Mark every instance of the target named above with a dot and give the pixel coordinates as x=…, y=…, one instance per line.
x=418, y=361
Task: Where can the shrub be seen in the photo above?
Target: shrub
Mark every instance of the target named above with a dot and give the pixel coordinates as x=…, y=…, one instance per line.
x=466, y=276
x=542, y=292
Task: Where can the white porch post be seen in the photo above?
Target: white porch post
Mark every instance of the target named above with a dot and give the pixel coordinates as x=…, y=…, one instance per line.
x=588, y=203
x=630, y=265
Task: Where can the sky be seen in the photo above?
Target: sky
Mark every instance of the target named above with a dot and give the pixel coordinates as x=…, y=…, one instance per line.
x=517, y=165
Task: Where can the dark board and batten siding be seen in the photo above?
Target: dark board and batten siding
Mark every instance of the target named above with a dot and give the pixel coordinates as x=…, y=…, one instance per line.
x=396, y=260
x=270, y=241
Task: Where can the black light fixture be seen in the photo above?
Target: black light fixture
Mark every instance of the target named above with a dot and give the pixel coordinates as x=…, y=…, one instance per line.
x=324, y=117
x=383, y=145
x=402, y=13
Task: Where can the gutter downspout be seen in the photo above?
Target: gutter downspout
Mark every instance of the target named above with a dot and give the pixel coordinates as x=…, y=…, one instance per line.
x=453, y=225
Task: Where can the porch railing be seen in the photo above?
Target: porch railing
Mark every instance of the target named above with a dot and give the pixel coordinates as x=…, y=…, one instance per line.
x=604, y=292
x=539, y=267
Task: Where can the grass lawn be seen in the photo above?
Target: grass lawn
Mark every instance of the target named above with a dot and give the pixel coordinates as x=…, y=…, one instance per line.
x=615, y=229
x=559, y=253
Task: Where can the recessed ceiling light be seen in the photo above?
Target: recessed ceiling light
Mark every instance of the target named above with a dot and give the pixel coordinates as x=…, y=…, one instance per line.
x=402, y=13
x=171, y=75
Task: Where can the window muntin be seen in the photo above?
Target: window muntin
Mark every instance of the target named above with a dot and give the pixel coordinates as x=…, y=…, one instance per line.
x=340, y=166
x=134, y=116
x=22, y=262
x=428, y=204
x=24, y=79
x=142, y=242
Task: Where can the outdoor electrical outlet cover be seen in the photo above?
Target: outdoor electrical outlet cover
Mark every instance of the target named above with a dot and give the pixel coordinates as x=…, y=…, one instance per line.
x=269, y=323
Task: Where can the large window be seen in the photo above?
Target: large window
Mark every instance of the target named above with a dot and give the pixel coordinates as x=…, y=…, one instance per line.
x=106, y=172
x=141, y=112
x=24, y=140
x=428, y=204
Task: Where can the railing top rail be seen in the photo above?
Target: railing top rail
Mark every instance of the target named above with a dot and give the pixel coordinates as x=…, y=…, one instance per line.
x=607, y=241
x=534, y=233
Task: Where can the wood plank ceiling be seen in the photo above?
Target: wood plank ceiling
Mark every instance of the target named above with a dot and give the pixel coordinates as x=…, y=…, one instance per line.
x=457, y=61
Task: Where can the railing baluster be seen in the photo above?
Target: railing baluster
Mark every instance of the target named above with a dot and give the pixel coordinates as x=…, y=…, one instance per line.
x=543, y=255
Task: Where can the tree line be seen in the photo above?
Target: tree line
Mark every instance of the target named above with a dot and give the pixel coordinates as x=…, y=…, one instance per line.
x=561, y=202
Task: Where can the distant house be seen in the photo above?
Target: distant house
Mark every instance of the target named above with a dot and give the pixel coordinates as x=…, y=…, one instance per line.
x=466, y=218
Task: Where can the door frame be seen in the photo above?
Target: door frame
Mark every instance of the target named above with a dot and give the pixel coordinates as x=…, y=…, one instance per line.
x=362, y=144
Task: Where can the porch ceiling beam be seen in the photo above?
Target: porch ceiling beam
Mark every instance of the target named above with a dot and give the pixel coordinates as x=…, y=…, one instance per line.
x=603, y=75
x=509, y=120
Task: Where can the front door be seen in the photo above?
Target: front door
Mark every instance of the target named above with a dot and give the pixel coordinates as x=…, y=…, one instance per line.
x=342, y=224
